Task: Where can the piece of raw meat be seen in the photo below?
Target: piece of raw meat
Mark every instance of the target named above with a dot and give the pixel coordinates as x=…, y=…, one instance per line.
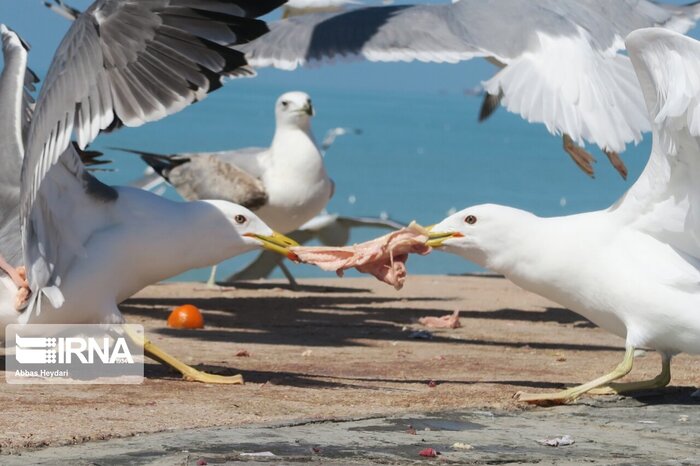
x=384, y=257
x=446, y=321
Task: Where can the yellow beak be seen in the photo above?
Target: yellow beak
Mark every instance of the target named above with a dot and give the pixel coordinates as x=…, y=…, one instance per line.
x=278, y=243
x=435, y=239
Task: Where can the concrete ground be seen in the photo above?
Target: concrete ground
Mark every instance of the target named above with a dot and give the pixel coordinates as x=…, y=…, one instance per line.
x=335, y=375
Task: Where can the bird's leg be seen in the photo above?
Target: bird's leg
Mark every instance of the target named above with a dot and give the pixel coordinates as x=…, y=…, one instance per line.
x=616, y=162
x=288, y=275
x=19, y=278
x=579, y=155
x=23, y=292
x=660, y=381
x=571, y=394
x=189, y=373
x=212, y=277
x=18, y=275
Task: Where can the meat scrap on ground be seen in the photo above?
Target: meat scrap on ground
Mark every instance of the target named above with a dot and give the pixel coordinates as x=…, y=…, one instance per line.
x=446, y=321
x=384, y=257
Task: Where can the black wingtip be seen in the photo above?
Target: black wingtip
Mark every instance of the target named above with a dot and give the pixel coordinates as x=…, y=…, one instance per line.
x=489, y=105
x=162, y=164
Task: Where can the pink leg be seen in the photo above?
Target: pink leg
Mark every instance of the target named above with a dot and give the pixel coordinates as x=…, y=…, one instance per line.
x=18, y=276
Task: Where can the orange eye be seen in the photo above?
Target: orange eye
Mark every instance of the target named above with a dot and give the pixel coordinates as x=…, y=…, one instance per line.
x=239, y=219
x=186, y=316
x=470, y=219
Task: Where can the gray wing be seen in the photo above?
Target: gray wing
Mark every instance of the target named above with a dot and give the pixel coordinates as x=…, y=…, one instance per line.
x=28, y=103
x=375, y=33
x=210, y=177
x=559, y=59
x=14, y=110
x=126, y=63
x=502, y=29
x=123, y=62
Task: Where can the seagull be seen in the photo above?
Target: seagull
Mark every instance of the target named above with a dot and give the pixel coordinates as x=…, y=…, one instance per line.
x=86, y=246
x=560, y=61
x=333, y=134
x=286, y=184
x=328, y=229
x=634, y=268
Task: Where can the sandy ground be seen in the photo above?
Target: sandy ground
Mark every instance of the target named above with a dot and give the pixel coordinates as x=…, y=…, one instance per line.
x=336, y=349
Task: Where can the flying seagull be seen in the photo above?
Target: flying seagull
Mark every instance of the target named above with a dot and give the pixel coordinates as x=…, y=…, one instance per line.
x=85, y=246
x=560, y=61
x=286, y=184
x=634, y=268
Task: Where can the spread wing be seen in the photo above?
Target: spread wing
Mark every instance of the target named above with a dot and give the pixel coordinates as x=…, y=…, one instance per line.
x=665, y=200
x=123, y=62
x=16, y=108
x=127, y=62
x=561, y=66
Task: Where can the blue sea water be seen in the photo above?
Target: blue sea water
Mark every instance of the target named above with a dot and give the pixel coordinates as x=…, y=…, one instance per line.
x=420, y=155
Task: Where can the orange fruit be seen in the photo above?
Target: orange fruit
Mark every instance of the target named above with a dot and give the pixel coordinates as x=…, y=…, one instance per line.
x=186, y=316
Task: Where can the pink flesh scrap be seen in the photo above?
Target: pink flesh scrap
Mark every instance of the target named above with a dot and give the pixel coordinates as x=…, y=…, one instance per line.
x=384, y=257
x=446, y=321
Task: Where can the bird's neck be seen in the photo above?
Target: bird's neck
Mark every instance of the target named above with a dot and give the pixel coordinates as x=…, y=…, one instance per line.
x=299, y=133
x=540, y=254
x=208, y=237
x=294, y=150
x=170, y=238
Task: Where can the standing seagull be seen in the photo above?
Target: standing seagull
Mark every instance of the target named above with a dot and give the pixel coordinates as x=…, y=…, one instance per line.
x=634, y=268
x=88, y=246
x=286, y=184
x=559, y=60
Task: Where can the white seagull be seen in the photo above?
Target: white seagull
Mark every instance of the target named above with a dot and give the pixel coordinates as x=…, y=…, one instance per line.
x=285, y=184
x=634, y=268
x=88, y=246
x=560, y=61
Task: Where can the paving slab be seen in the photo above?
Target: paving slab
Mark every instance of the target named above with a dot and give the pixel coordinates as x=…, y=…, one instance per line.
x=649, y=430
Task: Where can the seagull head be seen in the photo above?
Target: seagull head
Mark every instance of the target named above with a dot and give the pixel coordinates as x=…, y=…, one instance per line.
x=294, y=109
x=479, y=233
x=251, y=232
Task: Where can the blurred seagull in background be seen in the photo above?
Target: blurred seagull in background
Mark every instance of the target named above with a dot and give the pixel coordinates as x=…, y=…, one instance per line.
x=634, y=268
x=286, y=184
x=80, y=247
x=333, y=134
x=560, y=61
